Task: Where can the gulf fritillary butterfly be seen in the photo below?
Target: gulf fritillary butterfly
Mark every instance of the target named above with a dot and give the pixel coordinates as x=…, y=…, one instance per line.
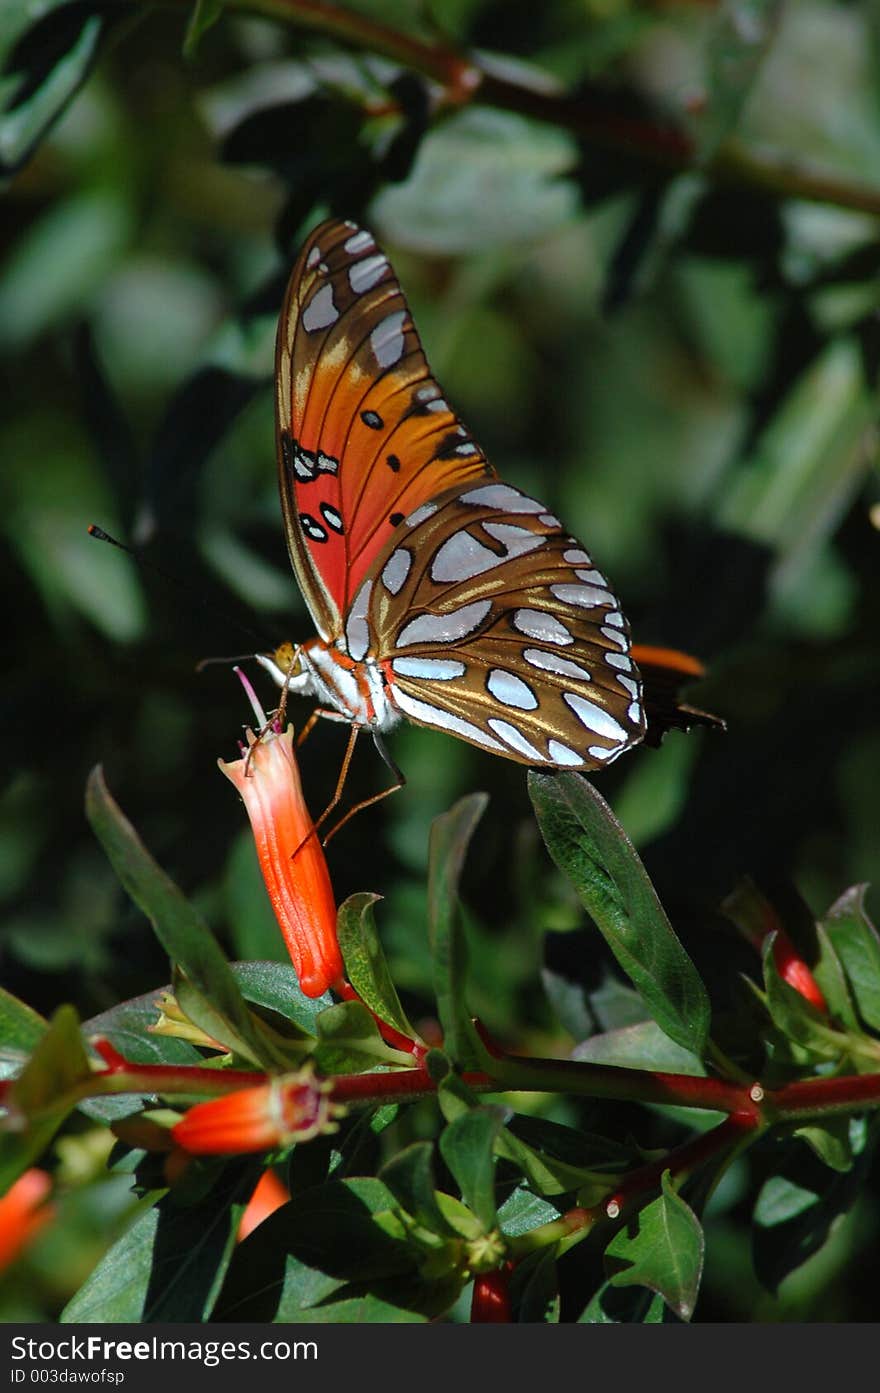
x=439, y=593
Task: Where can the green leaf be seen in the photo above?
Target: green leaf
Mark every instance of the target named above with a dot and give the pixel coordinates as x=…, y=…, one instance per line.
x=534, y=1290
x=828, y=972
x=450, y=836
x=410, y=1177
x=589, y=845
x=327, y=1236
x=365, y=962
x=522, y=1211
x=276, y=986
x=481, y=179
x=182, y=932
x=799, y=1206
x=857, y=945
x=661, y=1249
x=349, y=1041
x=43, y=1094
x=797, y=1018
x=830, y=1141
x=170, y=1264
x=612, y=1305
x=285, y=1051
x=556, y=1159
x=641, y=1046
x=127, y=1027
x=32, y=98
x=21, y=1029
x=467, y=1146
x=741, y=34
x=203, y=16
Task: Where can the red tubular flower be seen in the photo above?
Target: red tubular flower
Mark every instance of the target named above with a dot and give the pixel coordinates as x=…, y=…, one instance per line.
x=793, y=970
x=22, y=1214
x=295, y=1107
x=490, y=1304
x=291, y=856
x=270, y=1194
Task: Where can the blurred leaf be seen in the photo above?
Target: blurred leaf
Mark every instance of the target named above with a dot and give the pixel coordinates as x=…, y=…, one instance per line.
x=798, y=1208
x=482, y=179
x=409, y=1175
x=46, y=53
x=467, y=1146
x=641, y=1046
x=56, y=269
x=857, y=945
x=40, y=1098
x=534, y=1290
x=569, y=1003
x=182, y=933
x=661, y=1249
x=302, y=1253
x=556, y=1160
x=740, y=36
x=365, y=962
x=21, y=1028
x=830, y=1141
x=589, y=845
x=450, y=836
x=656, y=788
x=170, y=1264
x=203, y=15
x=612, y=1306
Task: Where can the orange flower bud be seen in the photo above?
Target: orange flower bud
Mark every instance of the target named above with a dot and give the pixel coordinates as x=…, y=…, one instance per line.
x=490, y=1304
x=291, y=856
x=793, y=970
x=270, y=1194
x=293, y=1107
x=22, y=1213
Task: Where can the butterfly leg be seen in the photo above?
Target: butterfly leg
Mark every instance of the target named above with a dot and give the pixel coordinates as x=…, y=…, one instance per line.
x=309, y=726
x=399, y=781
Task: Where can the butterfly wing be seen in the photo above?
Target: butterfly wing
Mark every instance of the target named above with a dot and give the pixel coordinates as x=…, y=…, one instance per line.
x=491, y=622
x=364, y=433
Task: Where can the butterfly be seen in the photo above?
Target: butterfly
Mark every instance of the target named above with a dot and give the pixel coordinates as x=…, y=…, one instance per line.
x=439, y=592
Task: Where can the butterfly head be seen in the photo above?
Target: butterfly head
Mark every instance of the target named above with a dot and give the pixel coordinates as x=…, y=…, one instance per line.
x=286, y=667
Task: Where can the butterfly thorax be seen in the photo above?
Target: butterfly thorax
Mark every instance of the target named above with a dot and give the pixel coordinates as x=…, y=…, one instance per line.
x=356, y=690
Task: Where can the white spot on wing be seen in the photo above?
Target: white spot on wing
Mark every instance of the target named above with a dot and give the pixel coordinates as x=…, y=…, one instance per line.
x=437, y=404
x=363, y=275
x=502, y=497
x=549, y=520
x=461, y=557
x=515, y=739
x=552, y=662
x=575, y=557
x=620, y=660
x=442, y=668
x=387, y=340
x=594, y=717
x=320, y=312
x=360, y=242
x=614, y=636
x=563, y=754
x=615, y=618
x=313, y=257
x=444, y=720
x=634, y=711
x=518, y=540
x=592, y=578
x=629, y=684
x=427, y=510
x=444, y=628
x=357, y=632
x=587, y=596
x=396, y=570
x=511, y=690
x=544, y=627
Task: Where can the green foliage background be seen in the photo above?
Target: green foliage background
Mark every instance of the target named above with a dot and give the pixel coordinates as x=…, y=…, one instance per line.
x=685, y=368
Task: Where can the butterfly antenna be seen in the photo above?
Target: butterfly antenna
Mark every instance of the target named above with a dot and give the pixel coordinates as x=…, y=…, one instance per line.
x=199, y=601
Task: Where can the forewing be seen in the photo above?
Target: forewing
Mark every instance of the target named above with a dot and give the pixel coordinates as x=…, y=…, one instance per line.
x=364, y=432
x=492, y=623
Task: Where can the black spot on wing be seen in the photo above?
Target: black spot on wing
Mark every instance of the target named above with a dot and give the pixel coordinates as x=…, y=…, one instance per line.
x=372, y=419
x=396, y=519
x=393, y=463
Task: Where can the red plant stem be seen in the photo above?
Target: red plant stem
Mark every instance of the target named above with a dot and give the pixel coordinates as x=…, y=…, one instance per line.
x=392, y=1037
x=666, y=147
x=822, y=1097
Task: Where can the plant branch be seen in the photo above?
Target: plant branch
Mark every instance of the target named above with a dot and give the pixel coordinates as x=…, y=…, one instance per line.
x=665, y=147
